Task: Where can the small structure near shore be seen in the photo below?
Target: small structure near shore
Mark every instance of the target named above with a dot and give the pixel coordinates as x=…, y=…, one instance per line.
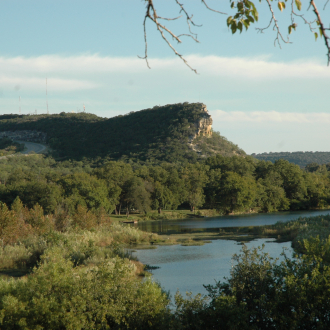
x=130, y=221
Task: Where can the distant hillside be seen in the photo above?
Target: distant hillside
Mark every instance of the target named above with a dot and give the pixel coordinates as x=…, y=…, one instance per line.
x=174, y=133
x=299, y=157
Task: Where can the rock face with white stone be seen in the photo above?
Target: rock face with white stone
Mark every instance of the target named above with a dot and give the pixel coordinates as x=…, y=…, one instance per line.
x=204, y=124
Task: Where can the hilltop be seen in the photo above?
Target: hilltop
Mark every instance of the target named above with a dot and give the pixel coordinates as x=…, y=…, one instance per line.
x=298, y=157
x=174, y=133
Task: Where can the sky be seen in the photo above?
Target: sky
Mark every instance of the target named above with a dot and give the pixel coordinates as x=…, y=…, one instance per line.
x=261, y=97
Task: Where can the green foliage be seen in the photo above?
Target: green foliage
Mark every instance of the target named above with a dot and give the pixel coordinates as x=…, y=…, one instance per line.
x=85, y=190
x=9, y=147
x=246, y=14
x=59, y=296
x=299, y=157
x=263, y=293
x=227, y=184
x=136, y=195
x=157, y=134
x=209, y=146
x=237, y=193
x=195, y=178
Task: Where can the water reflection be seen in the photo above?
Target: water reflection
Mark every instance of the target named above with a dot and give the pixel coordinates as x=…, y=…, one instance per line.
x=187, y=268
x=205, y=224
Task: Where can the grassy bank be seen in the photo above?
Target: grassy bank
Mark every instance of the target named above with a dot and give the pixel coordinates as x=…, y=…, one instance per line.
x=166, y=215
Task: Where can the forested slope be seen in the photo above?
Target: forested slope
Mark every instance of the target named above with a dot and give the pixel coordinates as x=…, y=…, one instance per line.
x=159, y=134
x=299, y=157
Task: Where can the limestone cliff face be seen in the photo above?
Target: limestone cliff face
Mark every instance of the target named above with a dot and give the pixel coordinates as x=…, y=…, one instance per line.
x=204, y=124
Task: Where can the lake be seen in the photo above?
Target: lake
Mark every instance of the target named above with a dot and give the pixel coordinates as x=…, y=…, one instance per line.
x=255, y=219
x=187, y=268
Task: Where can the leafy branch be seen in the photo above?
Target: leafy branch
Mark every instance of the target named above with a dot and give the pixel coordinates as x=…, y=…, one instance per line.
x=165, y=32
x=245, y=14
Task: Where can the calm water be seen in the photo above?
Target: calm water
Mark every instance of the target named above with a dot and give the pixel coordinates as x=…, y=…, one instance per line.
x=259, y=219
x=187, y=268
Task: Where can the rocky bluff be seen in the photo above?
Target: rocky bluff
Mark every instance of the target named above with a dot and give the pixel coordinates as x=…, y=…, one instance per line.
x=172, y=133
x=204, y=124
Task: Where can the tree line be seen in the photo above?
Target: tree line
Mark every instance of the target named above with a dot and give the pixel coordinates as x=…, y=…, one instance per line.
x=298, y=157
x=226, y=184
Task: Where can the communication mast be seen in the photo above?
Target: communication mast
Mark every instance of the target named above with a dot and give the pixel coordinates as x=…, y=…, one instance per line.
x=47, y=98
x=84, y=107
x=20, y=112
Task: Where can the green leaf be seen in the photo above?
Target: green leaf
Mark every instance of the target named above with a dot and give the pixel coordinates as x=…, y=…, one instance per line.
x=316, y=35
x=321, y=32
x=240, y=26
x=233, y=27
x=255, y=13
x=246, y=23
x=229, y=19
x=290, y=29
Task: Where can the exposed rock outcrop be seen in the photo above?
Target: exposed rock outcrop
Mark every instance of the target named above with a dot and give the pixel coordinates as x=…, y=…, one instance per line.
x=26, y=135
x=204, y=124
x=203, y=128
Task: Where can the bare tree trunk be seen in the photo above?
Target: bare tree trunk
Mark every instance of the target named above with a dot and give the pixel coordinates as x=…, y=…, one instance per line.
x=127, y=212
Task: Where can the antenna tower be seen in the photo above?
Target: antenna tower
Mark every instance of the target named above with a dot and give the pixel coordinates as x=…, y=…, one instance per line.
x=47, y=98
x=84, y=107
x=20, y=112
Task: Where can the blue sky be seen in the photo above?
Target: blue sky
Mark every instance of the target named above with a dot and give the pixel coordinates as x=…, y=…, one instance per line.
x=261, y=97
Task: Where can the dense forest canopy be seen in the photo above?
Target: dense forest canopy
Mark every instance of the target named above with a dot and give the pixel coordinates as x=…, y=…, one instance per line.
x=158, y=134
x=226, y=184
x=300, y=158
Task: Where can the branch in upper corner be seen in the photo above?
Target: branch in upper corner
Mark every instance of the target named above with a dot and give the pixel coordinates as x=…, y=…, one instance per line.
x=323, y=30
x=151, y=15
x=275, y=27
x=216, y=11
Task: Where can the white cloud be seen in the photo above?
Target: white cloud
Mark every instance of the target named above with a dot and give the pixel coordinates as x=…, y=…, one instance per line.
x=55, y=84
x=250, y=68
x=270, y=117
x=258, y=68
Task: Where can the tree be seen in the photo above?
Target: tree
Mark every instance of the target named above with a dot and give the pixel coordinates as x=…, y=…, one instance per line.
x=262, y=293
x=46, y=194
x=135, y=195
x=195, y=179
x=245, y=14
x=115, y=175
x=293, y=182
x=237, y=192
x=86, y=190
x=270, y=197
x=213, y=189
